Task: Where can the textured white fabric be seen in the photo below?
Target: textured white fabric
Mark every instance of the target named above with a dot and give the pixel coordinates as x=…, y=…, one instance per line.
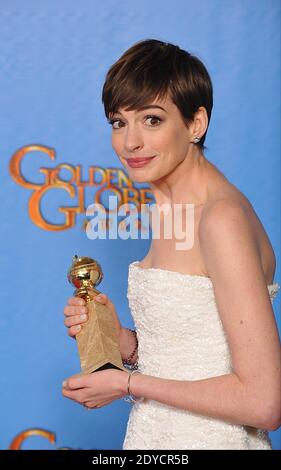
x=181, y=337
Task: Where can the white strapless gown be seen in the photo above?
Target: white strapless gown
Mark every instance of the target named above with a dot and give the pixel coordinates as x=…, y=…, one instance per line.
x=181, y=337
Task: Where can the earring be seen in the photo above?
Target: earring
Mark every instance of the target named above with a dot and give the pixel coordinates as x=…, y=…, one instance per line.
x=196, y=140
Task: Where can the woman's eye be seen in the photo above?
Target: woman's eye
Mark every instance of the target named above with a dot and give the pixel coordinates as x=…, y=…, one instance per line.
x=113, y=121
x=115, y=125
x=153, y=118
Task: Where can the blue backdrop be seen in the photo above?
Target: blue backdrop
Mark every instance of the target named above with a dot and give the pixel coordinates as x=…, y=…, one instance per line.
x=53, y=61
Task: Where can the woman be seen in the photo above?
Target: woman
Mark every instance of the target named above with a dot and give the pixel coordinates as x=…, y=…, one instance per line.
x=208, y=347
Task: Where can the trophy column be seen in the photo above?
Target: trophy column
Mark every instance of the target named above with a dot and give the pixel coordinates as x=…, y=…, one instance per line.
x=98, y=342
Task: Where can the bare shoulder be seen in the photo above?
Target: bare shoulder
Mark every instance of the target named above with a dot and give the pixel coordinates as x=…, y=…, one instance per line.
x=236, y=220
x=222, y=215
x=222, y=210
x=222, y=207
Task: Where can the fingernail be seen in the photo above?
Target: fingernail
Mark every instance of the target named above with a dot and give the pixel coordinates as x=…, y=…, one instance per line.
x=64, y=383
x=78, y=328
x=98, y=297
x=83, y=317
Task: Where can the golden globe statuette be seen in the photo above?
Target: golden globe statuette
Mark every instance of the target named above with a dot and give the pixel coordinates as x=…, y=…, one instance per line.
x=98, y=343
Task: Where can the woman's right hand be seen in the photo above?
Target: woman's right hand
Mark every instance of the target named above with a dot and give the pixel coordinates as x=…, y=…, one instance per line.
x=76, y=313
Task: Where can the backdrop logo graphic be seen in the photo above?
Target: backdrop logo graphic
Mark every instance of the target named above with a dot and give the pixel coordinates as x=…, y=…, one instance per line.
x=105, y=181
x=18, y=441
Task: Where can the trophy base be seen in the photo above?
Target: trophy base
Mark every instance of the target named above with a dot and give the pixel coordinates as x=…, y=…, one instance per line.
x=107, y=366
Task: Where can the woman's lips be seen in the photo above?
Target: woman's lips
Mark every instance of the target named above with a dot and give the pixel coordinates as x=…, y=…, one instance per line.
x=139, y=162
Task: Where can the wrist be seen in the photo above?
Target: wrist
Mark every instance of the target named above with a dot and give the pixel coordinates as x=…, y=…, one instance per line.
x=123, y=383
x=128, y=346
x=131, y=359
x=131, y=396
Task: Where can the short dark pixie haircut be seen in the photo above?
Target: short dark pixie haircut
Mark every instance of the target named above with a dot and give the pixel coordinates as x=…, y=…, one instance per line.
x=151, y=69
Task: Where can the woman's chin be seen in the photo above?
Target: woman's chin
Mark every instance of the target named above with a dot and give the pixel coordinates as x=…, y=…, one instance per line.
x=141, y=177
x=137, y=177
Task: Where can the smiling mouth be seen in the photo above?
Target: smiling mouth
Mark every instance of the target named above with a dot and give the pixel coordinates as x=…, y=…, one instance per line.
x=139, y=161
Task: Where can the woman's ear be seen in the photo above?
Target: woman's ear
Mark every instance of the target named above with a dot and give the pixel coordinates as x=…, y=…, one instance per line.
x=199, y=124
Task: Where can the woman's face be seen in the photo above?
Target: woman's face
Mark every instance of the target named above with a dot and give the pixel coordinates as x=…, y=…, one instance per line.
x=150, y=132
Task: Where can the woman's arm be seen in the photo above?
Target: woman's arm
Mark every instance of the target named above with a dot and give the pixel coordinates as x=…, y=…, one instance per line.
x=249, y=395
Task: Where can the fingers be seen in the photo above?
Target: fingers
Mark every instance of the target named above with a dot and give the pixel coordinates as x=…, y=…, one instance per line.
x=75, y=316
x=101, y=298
x=73, y=330
x=74, y=310
x=74, y=395
x=74, y=323
x=80, y=389
x=76, y=301
x=92, y=405
x=77, y=306
x=75, y=320
x=76, y=382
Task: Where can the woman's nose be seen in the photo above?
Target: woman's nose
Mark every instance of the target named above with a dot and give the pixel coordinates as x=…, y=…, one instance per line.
x=133, y=141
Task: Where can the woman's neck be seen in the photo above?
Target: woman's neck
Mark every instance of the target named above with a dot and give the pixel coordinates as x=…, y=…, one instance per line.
x=186, y=184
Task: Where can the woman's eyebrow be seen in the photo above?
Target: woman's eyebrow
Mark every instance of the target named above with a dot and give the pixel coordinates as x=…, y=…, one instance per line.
x=151, y=106
x=148, y=106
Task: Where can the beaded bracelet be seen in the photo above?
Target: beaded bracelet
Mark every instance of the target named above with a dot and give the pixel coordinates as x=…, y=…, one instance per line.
x=127, y=361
